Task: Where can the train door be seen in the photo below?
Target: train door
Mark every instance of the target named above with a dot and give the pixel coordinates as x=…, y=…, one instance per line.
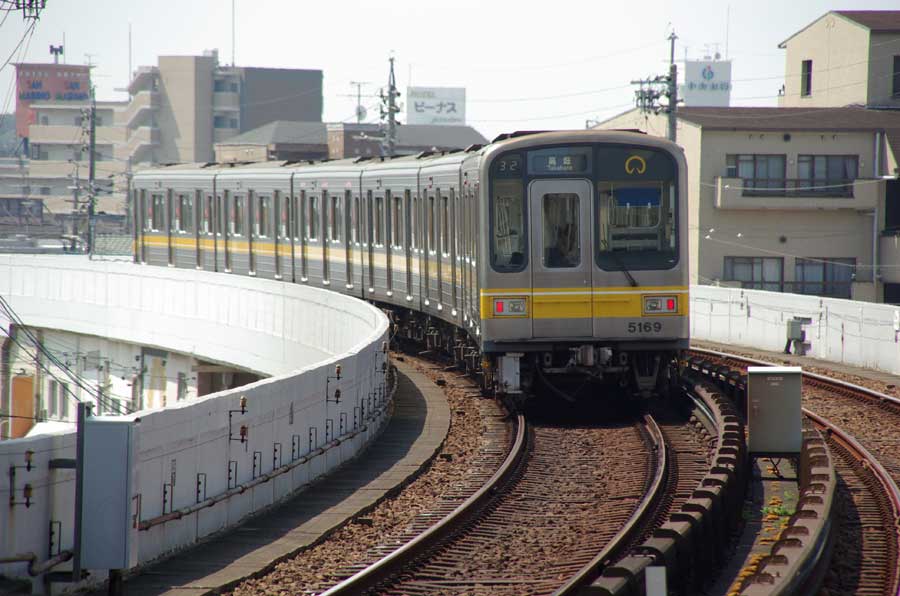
x=561, y=257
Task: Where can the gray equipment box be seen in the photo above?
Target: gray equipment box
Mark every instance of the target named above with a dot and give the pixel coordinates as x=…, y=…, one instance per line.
x=106, y=504
x=774, y=416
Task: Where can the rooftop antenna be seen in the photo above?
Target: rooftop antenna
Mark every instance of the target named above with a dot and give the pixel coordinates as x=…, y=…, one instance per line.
x=727, y=22
x=56, y=51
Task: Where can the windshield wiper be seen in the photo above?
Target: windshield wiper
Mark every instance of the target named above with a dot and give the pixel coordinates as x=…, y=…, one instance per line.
x=619, y=262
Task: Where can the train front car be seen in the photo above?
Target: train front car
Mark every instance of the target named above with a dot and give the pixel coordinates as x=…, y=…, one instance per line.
x=586, y=268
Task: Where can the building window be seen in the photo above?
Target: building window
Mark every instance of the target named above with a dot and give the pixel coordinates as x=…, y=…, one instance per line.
x=892, y=293
x=45, y=190
x=756, y=273
x=831, y=175
x=760, y=174
x=64, y=401
x=182, y=387
x=806, y=78
x=896, y=86
x=224, y=122
x=824, y=277
x=51, y=398
x=219, y=85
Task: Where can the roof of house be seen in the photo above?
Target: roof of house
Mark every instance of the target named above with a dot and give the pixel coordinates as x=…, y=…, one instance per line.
x=797, y=119
x=282, y=132
x=315, y=133
x=878, y=21
x=434, y=135
x=825, y=119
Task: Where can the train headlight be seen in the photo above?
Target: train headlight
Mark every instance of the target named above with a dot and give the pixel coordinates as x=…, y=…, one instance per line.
x=660, y=305
x=510, y=307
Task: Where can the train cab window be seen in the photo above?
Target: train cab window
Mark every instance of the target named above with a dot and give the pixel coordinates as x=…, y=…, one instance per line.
x=560, y=216
x=335, y=218
x=237, y=216
x=508, y=247
x=313, y=219
x=158, y=213
x=263, y=225
x=379, y=221
x=397, y=222
x=636, y=225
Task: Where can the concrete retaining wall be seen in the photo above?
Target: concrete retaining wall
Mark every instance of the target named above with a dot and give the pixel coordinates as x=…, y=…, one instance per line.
x=293, y=334
x=862, y=334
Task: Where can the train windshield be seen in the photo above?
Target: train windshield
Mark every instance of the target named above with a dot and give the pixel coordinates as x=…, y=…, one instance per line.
x=636, y=211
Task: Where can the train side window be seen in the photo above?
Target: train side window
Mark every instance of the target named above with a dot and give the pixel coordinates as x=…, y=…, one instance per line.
x=407, y=212
x=157, y=213
x=379, y=221
x=445, y=225
x=264, y=217
x=313, y=220
x=354, y=221
x=432, y=227
x=237, y=215
x=397, y=222
x=414, y=224
x=222, y=212
x=284, y=204
x=300, y=215
x=175, y=213
x=187, y=213
x=206, y=215
x=336, y=218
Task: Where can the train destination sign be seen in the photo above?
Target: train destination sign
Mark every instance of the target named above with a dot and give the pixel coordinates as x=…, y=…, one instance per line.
x=562, y=160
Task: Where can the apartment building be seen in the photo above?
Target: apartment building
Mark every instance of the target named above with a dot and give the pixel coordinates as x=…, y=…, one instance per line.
x=180, y=108
x=804, y=197
x=845, y=57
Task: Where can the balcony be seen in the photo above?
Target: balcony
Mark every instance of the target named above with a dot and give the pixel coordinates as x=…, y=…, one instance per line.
x=226, y=100
x=796, y=194
x=139, y=140
x=143, y=101
x=73, y=135
x=826, y=289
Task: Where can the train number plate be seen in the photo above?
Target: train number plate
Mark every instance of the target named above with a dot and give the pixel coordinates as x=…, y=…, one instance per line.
x=644, y=327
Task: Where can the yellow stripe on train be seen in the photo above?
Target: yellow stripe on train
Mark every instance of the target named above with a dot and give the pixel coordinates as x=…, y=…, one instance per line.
x=583, y=303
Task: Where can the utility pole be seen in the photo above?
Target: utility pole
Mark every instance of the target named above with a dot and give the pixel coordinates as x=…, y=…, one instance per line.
x=650, y=90
x=92, y=158
x=673, y=87
x=389, y=110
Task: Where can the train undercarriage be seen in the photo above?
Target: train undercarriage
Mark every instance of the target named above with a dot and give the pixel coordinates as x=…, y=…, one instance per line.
x=642, y=372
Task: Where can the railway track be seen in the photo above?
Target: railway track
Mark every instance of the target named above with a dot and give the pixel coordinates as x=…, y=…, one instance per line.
x=862, y=440
x=566, y=498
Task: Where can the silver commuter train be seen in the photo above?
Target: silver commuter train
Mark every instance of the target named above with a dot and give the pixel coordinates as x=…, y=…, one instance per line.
x=540, y=253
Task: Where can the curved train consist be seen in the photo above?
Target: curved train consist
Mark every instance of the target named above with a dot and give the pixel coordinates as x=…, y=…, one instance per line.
x=538, y=254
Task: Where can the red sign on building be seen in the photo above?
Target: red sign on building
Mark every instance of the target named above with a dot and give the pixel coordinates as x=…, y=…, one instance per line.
x=48, y=83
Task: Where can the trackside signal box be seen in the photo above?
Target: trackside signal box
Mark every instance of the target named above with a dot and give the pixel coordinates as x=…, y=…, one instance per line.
x=774, y=416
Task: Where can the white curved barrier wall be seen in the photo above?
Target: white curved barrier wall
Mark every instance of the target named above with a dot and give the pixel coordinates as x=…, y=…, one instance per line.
x=292, y=333
x=857, y=333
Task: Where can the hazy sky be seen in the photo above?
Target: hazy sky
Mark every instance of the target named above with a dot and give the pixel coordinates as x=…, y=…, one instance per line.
x=525, y=64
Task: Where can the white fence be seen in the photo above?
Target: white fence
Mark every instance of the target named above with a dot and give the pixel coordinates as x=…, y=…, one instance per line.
x=187, y=453
x=861, y=334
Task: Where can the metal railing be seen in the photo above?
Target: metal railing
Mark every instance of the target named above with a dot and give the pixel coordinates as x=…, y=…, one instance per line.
x=797, y=187
x=827, y=289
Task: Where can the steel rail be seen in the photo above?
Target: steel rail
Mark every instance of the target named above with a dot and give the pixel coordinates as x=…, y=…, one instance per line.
x=391, y=564
x=871, y=462
x=635, y=523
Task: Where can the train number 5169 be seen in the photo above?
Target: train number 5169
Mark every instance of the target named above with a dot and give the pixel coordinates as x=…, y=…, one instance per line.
x=644, y=327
